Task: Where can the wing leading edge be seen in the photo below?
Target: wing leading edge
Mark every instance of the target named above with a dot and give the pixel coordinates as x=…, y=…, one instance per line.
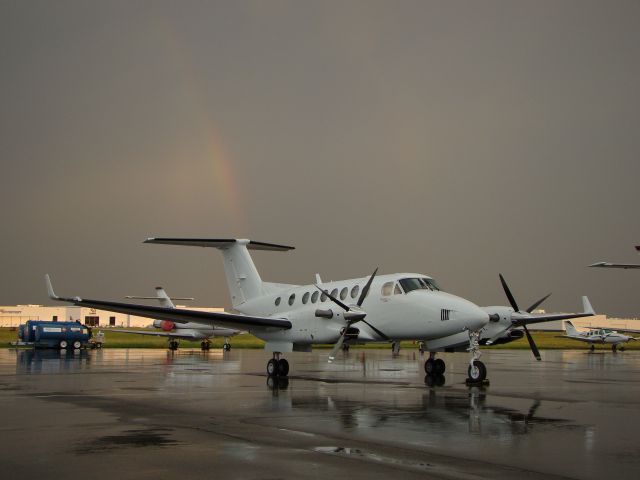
x=230, y=320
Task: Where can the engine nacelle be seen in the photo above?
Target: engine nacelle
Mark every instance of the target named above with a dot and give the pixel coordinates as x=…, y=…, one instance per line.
x=508, y=337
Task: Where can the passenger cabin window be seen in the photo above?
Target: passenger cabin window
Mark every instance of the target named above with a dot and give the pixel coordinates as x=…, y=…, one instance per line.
x=334, y=293
x=292, y=298
x=305, y=298
x=354, y=291
x=387, y=289
x=277, y=301
x=323, y=297
x=343, y=293
x=314, y=296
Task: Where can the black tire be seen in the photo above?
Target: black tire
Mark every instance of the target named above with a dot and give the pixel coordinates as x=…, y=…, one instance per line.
x=272, y=368
x=63, y=344
x=440, y=380
x=77, y=344
x=439, y=366
x=429, y=380
x=592, y=348
x=99, y=345
x=283, y=367
x=477, y=374
x=226, y=347
x=429, y=366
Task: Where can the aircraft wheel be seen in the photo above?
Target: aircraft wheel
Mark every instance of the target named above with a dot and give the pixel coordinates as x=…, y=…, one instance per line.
x=63, y=344
x=283, y=367
x=429, y=366
x=621, y=349
x=477, y=372
x=592, y=348
x=345, y=347
x=272, y=367
x=226, y=347
x=439, y=366
x=614, y=348
x=173, y=345
x=77, y=344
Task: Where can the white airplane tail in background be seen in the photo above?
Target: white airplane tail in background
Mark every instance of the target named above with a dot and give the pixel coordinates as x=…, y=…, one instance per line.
x=243, y=279
x=570, y=329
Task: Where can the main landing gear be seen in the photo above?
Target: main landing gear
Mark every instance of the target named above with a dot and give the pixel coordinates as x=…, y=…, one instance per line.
x=477, y=371
x=227, y=346
x=277, y=367
x=205, y=345
x=433, y=365
x=173, y=345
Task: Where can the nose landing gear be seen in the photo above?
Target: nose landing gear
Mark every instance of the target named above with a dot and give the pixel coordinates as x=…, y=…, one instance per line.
x=477, y=372
x=277, y=367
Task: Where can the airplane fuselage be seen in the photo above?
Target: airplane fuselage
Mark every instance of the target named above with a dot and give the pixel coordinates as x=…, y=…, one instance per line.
x=391, y=312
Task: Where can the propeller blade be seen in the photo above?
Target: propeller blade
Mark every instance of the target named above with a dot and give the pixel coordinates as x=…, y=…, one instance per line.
x=532, y=344
x=537, y=304
x=512, y=300
x=337, y=346
x=365, y=290
x=334, y=299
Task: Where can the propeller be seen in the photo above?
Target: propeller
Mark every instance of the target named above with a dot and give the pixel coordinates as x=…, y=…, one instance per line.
x=353, y=314
x=514, y=305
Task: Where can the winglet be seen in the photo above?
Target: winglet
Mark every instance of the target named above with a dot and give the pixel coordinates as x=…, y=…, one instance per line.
x=52, y=294
x=586, y=306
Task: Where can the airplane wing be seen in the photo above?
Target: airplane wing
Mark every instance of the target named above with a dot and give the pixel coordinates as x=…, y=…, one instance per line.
x=230, y=320
x=156, y=333
x=615, y=265
x=520, y=319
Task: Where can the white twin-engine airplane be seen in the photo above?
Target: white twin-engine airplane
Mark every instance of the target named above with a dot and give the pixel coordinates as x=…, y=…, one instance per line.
x=597, y=335
x=182, y=331
x=403, y=306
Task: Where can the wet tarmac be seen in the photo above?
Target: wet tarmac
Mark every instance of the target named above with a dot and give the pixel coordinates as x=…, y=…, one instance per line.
x=155, y=414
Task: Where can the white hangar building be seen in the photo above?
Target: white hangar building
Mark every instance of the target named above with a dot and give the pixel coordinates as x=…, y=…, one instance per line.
x=13, y=316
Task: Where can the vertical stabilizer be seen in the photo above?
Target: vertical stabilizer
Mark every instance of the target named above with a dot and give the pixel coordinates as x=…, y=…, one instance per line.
x=243, y=279
x=570, y=330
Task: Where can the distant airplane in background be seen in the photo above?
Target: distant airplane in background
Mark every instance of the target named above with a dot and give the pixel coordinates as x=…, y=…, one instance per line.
x=617, y=265
x=175, y=332
x=597, y=335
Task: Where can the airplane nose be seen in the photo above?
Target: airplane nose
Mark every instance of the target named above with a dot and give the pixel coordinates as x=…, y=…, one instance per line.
x=473, y=317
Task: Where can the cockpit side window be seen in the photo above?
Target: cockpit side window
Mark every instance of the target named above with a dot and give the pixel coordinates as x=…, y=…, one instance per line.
x=397, y=290
x=387, y=289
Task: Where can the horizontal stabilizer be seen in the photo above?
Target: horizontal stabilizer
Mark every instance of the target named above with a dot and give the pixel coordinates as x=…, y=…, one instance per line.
x=220, y=243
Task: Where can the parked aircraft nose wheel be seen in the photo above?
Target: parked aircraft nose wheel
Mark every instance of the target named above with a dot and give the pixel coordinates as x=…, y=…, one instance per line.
x=477, y=372
x=439, y=366
x=226, y=347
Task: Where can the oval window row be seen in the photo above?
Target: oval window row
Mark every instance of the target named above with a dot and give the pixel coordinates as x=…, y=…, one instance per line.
x=323, y=298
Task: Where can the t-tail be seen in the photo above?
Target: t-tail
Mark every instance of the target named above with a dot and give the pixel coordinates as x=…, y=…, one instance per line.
x=243, y=279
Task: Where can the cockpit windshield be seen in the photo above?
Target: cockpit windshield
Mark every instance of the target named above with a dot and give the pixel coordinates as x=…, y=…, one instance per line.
x=409, y=284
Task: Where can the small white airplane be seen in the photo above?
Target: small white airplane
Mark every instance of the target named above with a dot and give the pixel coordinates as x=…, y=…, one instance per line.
x=175, y=332
x=617, y=265
x=597, y=335
x=402, y=306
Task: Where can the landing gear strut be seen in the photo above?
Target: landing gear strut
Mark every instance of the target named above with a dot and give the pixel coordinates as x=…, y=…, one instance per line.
x=614, y=348
x=477, y=371
x=277, y=367
x=395, y=348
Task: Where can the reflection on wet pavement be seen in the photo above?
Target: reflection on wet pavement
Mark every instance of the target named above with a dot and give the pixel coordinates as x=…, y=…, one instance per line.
x=575, y=410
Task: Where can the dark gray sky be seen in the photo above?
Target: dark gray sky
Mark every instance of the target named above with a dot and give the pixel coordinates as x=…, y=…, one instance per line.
x=457, y=139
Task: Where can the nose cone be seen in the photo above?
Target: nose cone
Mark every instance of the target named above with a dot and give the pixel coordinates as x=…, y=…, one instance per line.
x=468, y=314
